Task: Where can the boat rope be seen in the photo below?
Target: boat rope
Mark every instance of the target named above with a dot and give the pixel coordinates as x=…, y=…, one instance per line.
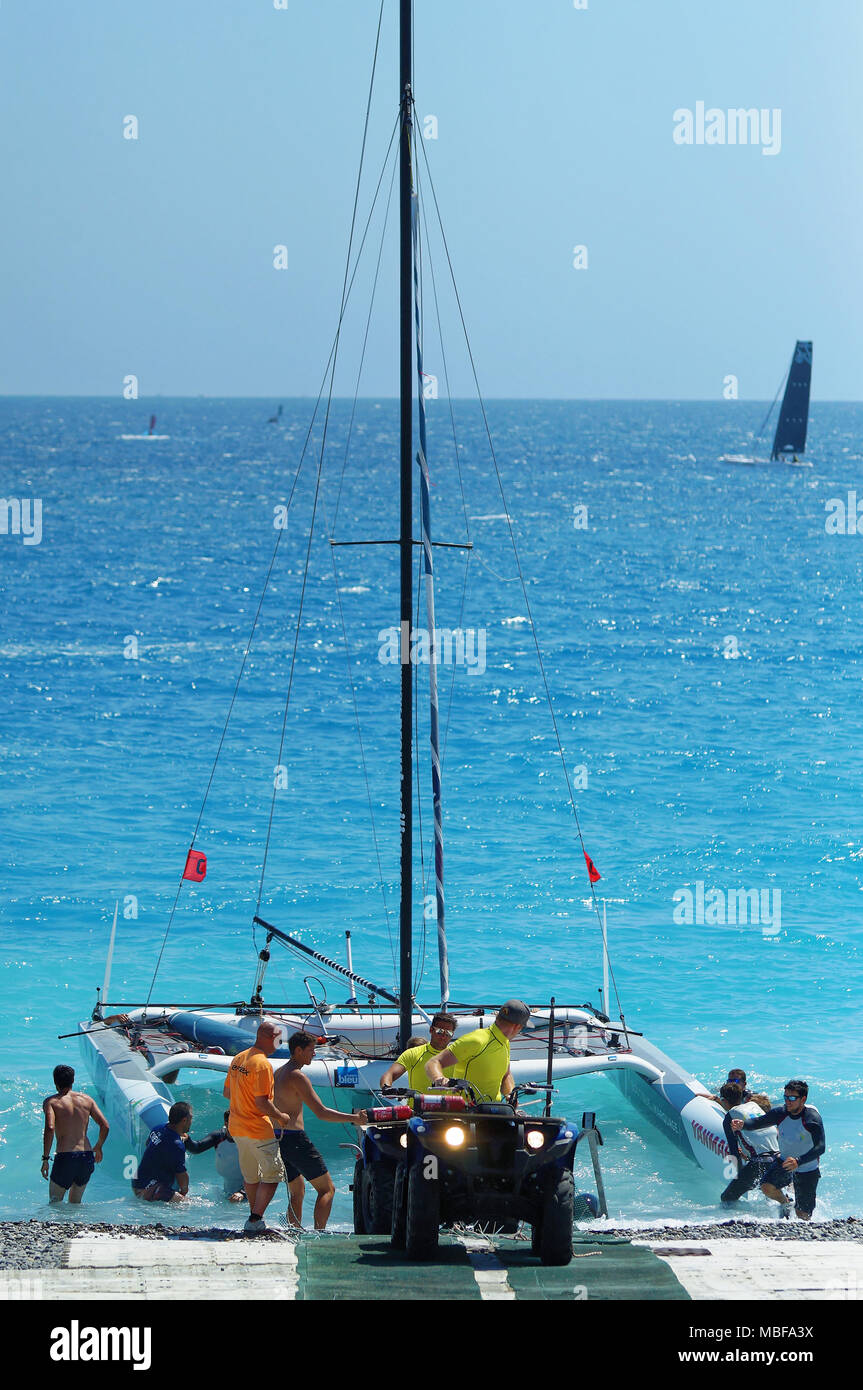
x=340, y=605
x=772, y=404
x=511, y=530
x=319, y=471
x=428, y=567
x=427, y=256
x=279, y=535
x=419, y=969
x=333, y=349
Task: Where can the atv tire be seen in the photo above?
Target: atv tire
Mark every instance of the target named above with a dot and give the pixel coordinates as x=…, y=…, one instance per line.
x=398, y=1229
x=423, y=1215
x=358, y=1184
x=378, y=1198
x=555, y=1229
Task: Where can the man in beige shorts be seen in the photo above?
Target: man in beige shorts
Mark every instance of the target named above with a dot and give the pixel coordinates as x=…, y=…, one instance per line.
x=249, y=1087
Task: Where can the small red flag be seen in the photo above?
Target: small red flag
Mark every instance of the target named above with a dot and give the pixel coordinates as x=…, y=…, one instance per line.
x=196, y=866
x=592, y=870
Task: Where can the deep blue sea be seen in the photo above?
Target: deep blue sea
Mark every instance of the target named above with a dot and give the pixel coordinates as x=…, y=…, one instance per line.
x=702, y=637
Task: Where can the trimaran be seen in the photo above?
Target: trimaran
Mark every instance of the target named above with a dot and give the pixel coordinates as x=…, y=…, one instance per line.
x=137, y=1059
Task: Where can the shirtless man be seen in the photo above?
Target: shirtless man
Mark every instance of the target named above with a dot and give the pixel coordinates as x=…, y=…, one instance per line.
x=299, y=1155
x=67, y=1116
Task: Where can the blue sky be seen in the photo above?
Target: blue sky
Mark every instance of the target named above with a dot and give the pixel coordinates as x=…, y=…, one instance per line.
x=555, y=129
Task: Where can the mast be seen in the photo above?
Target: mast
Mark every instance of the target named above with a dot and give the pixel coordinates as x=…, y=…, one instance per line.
x=406, y=528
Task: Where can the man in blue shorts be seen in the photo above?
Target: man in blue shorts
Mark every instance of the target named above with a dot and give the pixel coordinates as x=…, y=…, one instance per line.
x=162, y=1175
x=67, y=1117
x=800, y=1131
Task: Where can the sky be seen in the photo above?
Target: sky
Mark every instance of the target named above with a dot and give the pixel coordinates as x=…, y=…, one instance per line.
x=154, y=256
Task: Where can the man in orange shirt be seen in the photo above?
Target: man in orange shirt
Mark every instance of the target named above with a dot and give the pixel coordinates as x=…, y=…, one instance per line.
x=249, y=1087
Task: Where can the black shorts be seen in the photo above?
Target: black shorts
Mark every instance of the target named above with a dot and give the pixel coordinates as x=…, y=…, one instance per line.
x=153, y=1191
x=749, y=1175
x=299, y=1155
x=74, y=1169
x=804, y=1184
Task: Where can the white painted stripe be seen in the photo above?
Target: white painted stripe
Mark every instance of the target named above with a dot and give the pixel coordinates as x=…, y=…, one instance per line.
x=758, y=1268
x=488, y=1271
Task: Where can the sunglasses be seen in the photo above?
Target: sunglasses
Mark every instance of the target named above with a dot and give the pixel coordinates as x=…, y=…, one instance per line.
x=448, y=1032
x=792, y=1095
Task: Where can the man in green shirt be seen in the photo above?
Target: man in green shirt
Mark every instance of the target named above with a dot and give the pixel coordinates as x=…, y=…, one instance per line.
x=482, y=1057
x=412, y=1061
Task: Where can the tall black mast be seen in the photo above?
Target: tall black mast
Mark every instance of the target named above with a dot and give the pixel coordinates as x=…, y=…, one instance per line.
x=406, y=530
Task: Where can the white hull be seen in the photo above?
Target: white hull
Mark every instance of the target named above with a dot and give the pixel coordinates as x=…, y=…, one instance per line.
x=137, y=1088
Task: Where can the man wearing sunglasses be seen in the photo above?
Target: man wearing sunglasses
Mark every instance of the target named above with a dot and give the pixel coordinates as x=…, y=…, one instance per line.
x=412, y=1061
x=800, y=1131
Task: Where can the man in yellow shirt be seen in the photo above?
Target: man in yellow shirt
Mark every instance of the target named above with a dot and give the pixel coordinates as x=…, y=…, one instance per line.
x=249, y=1087
x=412, y=1061
x=482, y=1057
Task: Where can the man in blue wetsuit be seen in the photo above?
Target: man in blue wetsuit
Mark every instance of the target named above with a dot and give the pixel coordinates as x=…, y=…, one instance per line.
x=800, y=1131
x=161, y=1175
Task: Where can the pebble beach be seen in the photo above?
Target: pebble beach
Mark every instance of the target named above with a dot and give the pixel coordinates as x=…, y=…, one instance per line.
x=29, y=1245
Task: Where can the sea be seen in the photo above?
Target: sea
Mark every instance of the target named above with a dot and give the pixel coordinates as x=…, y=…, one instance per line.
x=700, y=626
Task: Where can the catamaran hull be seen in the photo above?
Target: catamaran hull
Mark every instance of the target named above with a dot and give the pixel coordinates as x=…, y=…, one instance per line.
x=136, y=1088
x=677, y=1106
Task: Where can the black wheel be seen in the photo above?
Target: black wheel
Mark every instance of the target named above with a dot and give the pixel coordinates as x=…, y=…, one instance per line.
x=378, y=1198
x=358, y=1184
x=555, y=1232
x=423, y=1215
x=398, y=1230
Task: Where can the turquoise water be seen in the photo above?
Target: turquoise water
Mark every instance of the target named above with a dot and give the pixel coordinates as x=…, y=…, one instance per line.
x=735, y=764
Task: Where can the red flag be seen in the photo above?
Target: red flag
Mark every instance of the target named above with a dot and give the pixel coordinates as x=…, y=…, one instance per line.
x=592, y=870
x=196, y=866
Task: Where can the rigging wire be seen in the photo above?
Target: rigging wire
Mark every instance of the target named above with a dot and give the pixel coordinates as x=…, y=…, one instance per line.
x=334, y=360
x=515, y=553
x=428, y=252
x=275, y=551
x=772, y=404
x=338, y=591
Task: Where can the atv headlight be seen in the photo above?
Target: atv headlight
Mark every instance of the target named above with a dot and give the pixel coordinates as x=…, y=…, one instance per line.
x=534, y=1138
x=454, y=1136
x=403, y=1140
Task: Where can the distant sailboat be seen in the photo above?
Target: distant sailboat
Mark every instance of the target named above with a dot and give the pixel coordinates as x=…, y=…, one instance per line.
x=274, y=419
x=150, y=432
x=790, y=436
x=789, y=441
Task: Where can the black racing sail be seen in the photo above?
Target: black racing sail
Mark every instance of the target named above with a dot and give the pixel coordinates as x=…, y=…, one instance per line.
x=790, y=436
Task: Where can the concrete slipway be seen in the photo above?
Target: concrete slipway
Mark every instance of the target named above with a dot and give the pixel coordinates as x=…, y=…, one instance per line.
x=469, y=1267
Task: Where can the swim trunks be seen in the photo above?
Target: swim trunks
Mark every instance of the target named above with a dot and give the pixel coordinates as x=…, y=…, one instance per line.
x=299, y=1155
x=804, y=1184
x=750, y=1175
x=153, y=1191
x=73, y=1169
